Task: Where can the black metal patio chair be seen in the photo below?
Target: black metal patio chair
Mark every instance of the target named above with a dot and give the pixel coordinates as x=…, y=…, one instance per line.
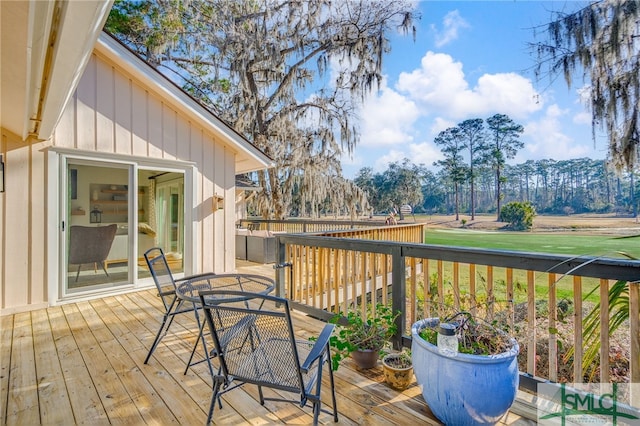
x=167, y=285
x=255, y=343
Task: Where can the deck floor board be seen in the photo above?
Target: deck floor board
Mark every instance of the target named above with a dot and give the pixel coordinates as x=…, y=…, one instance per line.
x=83, y=363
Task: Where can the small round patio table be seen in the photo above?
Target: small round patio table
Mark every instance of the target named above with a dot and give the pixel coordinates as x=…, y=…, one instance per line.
x=189, y=291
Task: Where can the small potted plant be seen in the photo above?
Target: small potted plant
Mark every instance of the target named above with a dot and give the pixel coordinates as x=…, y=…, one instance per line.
x=473, y=384
x=362, y=336
x=398, y=369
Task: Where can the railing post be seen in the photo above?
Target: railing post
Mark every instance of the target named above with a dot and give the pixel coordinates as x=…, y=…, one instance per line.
x=280, y=267
x=398, y=291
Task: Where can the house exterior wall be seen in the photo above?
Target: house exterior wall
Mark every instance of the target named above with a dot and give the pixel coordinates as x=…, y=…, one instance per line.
x=110, y=113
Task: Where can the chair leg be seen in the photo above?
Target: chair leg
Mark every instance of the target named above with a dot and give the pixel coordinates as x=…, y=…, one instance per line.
x=217, y=381
x=159, y=336
x=261, y=395
x=193, y=351
x=104, y=269
x=317, y=398
x=333, y=388
x=316, y=412
x=78, y=273
x=201, y=337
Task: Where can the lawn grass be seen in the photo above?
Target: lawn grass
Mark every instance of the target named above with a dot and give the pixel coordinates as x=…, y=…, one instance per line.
x=556, y=243
x=563, y=285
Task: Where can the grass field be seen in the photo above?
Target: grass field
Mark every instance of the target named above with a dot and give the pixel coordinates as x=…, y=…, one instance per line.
x=599, y=237
x=557, y=243
x=563, y=285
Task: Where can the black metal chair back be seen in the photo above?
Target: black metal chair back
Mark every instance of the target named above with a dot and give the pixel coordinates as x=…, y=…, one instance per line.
x=255, y=343
x=166, y=285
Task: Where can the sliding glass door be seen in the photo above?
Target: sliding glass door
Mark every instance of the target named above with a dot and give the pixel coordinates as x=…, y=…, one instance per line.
x=97, y=225
x=111, y=214
x=164, y=218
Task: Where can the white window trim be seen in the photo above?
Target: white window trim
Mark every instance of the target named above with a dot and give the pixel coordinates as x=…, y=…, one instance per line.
x=57, y=159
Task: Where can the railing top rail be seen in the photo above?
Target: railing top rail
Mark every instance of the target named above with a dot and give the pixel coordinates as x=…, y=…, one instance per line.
x=585, y=266
x=315, y=222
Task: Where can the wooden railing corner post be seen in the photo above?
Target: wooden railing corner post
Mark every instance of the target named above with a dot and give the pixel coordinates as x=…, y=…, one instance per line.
x=398, y=291
x=280, y=268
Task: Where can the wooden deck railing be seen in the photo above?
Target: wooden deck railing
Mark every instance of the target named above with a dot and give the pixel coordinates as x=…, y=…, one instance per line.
x=304, y=225
x=331, y=274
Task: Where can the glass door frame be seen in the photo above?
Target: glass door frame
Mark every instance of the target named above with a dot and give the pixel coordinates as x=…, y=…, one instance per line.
x=58, y=160
x=65, y=214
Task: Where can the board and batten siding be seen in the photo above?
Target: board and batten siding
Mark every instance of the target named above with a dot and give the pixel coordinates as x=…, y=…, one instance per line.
x=112, y=113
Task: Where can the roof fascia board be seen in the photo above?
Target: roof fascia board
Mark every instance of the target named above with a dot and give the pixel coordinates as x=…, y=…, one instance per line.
x=40, y=16
x=135, y=66
x=73, y=40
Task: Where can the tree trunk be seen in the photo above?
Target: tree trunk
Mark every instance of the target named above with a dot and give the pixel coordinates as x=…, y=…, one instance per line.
x=498, y=200
x=457, y=201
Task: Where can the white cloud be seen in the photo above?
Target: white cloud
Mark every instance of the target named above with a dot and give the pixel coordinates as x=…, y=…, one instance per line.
x=401, y=122
x=440, y=124
x=386, y=119
x=545, y=138
x=451, y=23
x=582, y=118
x=382, y=163
x=439, y=86
x=418, y=153
x=424, y=153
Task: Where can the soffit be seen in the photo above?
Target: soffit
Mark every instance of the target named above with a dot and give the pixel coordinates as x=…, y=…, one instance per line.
x=45, y=46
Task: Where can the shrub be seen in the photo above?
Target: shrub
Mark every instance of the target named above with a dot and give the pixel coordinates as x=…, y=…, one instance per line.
x=519, y=215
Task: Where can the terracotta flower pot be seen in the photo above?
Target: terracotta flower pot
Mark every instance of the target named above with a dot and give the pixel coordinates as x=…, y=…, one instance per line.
x=365, y=358
x=397, y=377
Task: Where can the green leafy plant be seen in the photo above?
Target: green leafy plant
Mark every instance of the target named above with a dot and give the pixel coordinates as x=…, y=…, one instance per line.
x=362, y=332
x=475, y=337
x=399, y=359
x=618, y=307
x=618, y=301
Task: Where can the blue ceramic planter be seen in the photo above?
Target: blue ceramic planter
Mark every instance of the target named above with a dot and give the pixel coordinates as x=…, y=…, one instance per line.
x=464, y=389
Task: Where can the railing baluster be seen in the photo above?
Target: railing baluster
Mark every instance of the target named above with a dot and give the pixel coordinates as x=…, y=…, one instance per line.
x=354, y=293
x=490, y=296
x=634, y=331
x=385, y=274
x=553, y=336
x=363, y=283
x=531, y=321
x=440, y=289
x=371, y=278
x=472, y=287
x=510, y=299
x=427, y=308
x=336, y=277
x=323, y=281
x=413, y=299
x=456, y=286
x=604, y=331
x=344, y=259
x=577, y=329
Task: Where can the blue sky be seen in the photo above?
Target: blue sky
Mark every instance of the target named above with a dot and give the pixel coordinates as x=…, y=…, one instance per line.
x=470, y=59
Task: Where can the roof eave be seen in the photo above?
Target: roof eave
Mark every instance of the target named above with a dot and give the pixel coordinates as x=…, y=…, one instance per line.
x=248, y=157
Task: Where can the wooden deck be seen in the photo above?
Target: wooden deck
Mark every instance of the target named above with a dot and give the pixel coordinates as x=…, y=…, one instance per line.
x=82, y=363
